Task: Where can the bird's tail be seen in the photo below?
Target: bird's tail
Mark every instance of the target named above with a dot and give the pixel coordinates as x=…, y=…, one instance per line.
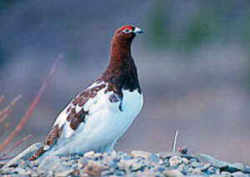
x=38, y=153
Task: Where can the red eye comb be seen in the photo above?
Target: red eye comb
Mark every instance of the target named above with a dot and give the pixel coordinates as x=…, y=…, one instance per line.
x=129, y=27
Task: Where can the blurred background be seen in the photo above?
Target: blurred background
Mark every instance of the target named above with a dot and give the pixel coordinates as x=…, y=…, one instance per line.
x=193, y=63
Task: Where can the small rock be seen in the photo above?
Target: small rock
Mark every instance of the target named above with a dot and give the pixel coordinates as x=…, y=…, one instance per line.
x=188, y=170
x=2, y=163
x=136, y=167
x=236, y=167
x=76, y=172
x=196, y=171
x=89, y=154
x=94, y=169
x=20, y=171
x=119, y=173
x=181, y=167
x=154, y=158
x=140, y=154
x=185, y=160
x=114, y=163
x=106, y=173
x=211, y=170
x=175, y=161
x=217, y=171
x=225, y=173
x=65, y=173
x=113, y=154
x=205, y=167
x=189, y=157
x=172, y=173
x=195, y=164
x=209, y=159
x=26, y=154
x=246, y=169
x=161, y=169
x=127, y=157
x=82, y=163
x=52, y=163
x=146, y=173
x=239, y=174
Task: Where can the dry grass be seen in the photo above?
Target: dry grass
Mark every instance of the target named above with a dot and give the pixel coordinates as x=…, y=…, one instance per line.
x=4, y=114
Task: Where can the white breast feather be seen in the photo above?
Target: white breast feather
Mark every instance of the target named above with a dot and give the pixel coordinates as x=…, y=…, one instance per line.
x=105, y=123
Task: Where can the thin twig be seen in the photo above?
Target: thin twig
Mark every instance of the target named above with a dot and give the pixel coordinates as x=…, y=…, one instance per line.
x=6, y=111
x=18, y=143
x=1, y=99
x=5, y=155
x=31, y=108
x=4, y=116
x=175, y=141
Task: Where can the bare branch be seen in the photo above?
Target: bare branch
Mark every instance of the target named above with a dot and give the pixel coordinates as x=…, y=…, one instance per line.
x=31, y=108
x=1, y=99
x=5, y=156
x=18, y=143
x=6, y=111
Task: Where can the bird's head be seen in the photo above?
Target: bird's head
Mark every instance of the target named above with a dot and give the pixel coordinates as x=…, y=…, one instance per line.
x=127, y=32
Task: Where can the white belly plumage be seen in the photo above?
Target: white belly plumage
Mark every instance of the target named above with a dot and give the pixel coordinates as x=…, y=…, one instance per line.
x=104, y=125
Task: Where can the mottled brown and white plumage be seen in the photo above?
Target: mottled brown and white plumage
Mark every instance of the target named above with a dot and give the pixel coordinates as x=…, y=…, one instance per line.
x=97, y=117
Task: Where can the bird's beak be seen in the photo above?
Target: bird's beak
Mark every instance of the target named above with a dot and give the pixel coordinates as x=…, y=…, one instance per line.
x=138, y=30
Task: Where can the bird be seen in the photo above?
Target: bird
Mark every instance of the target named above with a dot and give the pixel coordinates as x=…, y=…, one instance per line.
x=99, y=115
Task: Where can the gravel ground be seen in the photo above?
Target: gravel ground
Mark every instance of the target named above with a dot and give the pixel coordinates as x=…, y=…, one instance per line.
x=135, y=163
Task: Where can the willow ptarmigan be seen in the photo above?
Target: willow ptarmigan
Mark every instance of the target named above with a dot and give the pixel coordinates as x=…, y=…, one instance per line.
x=97, y=117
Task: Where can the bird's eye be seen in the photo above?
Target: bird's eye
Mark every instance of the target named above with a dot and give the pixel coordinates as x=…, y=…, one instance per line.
x=127, y=31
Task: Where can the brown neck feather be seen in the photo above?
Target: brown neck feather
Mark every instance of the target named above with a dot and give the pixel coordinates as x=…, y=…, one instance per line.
x=121, y=70
x=120, y=52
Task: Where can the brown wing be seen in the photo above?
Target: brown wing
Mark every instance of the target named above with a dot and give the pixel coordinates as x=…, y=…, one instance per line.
x=51, y=139
x=71, y=118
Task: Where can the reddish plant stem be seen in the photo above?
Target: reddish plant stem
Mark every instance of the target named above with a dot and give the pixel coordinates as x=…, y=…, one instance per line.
x=5, y=156
x=18, y=143
x=4, y=113
x=31, y=108
x=1, y=99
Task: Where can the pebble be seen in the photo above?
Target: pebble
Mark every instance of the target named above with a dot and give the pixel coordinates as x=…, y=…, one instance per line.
x=185, y=160
x=89, y=154
x=93, y=169
x=246, y=169
x=211, y=170
x=114, y=163
x=52, y=163
x=205, y=166
x=134, y=164
x=209, y=159
x=195, y=164
x=140, y=154
x=172, y=173
x=239, y=174
x=227, y=174
x=161, y=169
x=154, y=158
x=175, y=161
x=136, y=167
x=236, y=166
x=65, y=173
x=196, y=171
